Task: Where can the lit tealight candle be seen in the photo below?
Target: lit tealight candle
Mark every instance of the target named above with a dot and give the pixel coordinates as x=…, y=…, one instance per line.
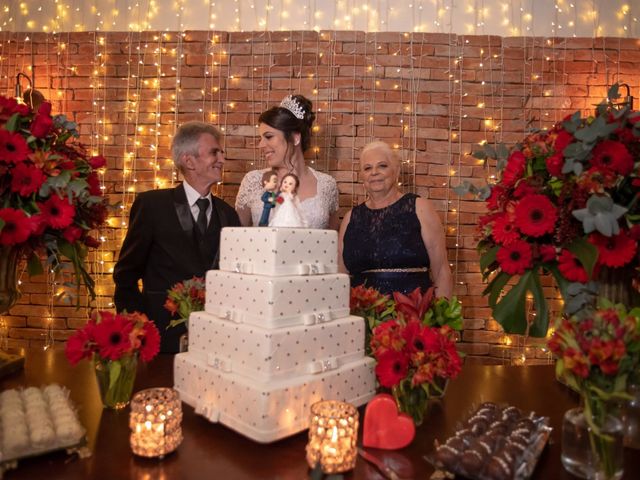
x=156, y=415
x=333, y=435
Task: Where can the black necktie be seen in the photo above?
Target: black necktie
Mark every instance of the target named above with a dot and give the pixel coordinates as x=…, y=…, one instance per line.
x=203, y=206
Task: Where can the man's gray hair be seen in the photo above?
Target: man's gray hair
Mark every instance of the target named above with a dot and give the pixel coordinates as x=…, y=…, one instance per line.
x=185, y=141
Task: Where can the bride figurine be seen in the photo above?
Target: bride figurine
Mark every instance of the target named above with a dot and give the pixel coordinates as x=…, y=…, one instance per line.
x=288, y=213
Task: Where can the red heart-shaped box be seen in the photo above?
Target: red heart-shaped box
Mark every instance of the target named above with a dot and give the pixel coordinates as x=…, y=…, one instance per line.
x=384, y=427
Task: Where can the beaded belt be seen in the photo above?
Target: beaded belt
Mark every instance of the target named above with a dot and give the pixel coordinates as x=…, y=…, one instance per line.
x=397, y=270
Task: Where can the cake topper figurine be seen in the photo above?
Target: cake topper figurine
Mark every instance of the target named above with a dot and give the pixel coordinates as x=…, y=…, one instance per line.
x=270, y=195
x=288, y=213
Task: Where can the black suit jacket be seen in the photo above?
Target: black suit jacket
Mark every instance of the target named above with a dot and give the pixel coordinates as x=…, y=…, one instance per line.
x=160, y=249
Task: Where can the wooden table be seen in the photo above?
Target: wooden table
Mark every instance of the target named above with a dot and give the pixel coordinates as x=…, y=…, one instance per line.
x=213, y=451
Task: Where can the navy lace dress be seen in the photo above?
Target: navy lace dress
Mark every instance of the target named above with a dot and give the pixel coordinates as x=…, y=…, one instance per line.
x=383, y=248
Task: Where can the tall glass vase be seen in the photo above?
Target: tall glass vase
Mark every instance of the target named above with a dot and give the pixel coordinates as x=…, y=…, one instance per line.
x=115, y=380
x=591, y=454
x=411, y=400
x=9, y=294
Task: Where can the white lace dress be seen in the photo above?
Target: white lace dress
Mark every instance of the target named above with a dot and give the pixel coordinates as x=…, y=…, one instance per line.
x=288, y=213
x=316, y=210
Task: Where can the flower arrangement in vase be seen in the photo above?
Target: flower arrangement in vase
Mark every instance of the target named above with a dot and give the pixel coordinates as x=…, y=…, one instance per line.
x=597, y=351
x=184, y=298
x=566, y=204
x=115, y=342
x=413, y=340
x=50, y=197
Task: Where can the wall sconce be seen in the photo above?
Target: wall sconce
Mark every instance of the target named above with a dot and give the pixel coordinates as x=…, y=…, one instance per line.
x=628, y=100
x=31, y=96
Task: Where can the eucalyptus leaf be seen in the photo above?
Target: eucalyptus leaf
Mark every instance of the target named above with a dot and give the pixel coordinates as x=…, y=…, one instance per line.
x=484, y=192
x=502, y=152
x=479, y=154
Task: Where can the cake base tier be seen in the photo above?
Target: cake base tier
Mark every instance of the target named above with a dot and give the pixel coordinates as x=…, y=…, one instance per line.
x=266, y=412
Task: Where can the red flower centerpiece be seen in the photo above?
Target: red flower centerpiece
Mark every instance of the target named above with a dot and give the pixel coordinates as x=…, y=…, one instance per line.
x=566, y=203
x=598, y=354
x=413, y=341
x=184, y=298
x=115, y=341
x=50, y=197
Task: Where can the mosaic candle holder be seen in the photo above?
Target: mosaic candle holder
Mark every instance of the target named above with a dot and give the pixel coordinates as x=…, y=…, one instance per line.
x=333, y=434
x=155, y=422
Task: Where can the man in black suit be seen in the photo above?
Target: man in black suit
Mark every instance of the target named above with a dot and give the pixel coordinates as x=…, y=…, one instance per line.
x=174, y=233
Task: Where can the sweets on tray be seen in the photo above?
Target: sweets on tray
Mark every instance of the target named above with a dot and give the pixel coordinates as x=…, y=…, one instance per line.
x=494, y=443
x=37, y=420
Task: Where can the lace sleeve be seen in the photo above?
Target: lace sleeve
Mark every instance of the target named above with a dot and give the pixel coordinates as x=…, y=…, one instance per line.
x=332, y=195
x=250, y=189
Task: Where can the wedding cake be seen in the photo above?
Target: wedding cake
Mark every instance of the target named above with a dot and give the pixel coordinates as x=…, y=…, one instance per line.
x=276, y=335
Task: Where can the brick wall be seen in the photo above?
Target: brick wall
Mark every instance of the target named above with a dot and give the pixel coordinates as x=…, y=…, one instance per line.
x=434, y=97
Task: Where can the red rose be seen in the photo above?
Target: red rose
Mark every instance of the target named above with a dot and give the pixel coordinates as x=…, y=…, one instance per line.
x=91, y=242
x=72, y=233
x=563, y=139
x=97, y=162
x=554, y=164
x=279, y=199
x=42, y=122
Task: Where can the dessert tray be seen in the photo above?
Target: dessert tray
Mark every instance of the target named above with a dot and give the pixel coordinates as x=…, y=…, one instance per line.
x=494, y=443
x=36, y=420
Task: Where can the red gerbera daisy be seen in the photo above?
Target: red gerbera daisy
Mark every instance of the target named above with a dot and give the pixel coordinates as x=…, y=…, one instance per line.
x=149, y=342
x=495, y=197
x=515, y=258
x=614, y=251
x=571, y=268
x=504, y=231
x=13, y=147
x=17, y=226
x=514, y=169
x=112, y=336
x=612, y=155
x=536, y=215
x=391, y=368
x=27, y=179
x=80, y=345
x=57, y=212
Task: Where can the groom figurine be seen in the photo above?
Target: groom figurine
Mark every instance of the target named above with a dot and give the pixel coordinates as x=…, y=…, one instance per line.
x=174, y=233
x=269, y=197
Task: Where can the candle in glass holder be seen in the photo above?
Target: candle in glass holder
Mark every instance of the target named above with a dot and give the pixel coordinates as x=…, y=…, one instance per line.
x=333, y=435
x=156, y=415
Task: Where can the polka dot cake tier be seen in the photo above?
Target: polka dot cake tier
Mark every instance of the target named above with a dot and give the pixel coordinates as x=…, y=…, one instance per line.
x=276, y=335
x=277, y=301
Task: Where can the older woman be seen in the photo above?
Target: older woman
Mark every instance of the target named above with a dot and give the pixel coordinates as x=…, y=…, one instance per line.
x=392, y=241
x=285, y=134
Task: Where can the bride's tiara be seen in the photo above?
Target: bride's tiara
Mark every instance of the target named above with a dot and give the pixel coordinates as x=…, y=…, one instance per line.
x=293, y=106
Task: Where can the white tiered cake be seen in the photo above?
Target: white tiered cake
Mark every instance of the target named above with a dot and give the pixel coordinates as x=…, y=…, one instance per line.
x=276, y=335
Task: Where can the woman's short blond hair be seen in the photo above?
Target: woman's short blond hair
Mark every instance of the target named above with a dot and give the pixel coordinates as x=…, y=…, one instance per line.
x=382, y=147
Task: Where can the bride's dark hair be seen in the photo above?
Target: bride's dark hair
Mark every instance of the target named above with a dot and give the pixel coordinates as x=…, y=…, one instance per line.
x=284, y=120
